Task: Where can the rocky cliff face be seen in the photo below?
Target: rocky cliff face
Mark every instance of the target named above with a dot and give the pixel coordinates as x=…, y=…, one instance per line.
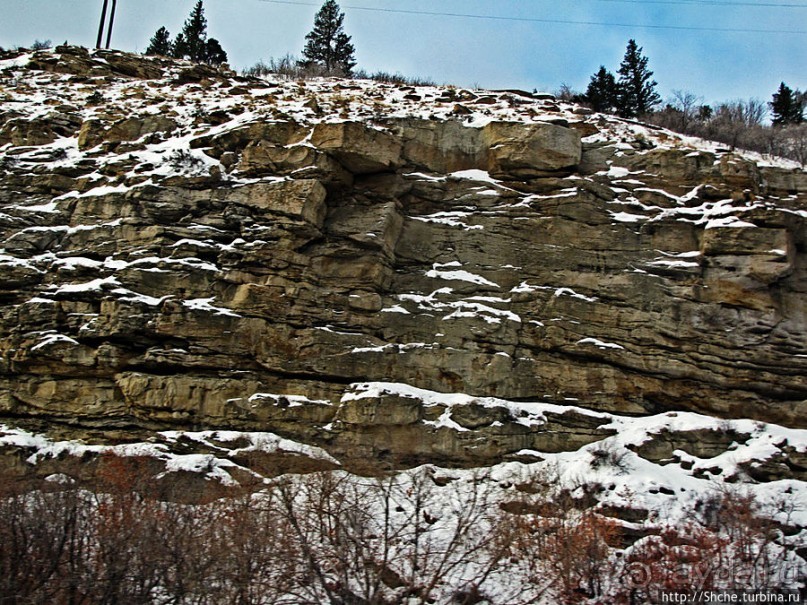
x=381, y=272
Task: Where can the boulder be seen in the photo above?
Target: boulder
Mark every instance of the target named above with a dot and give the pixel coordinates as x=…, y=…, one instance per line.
x=91, y=134
x=303, y=200
x=387, y=410
x=440, y=147
x=529, y=151
x=133, y=128
x=360, y=148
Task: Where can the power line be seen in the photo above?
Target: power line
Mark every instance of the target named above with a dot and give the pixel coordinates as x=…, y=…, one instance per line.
x=736, y=30
x=711, y=3
x=745, y=3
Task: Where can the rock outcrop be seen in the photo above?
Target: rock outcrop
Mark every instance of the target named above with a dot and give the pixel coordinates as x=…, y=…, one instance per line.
x=177, y=256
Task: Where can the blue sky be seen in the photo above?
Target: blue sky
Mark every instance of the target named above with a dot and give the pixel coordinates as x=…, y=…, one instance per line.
x=493, y=53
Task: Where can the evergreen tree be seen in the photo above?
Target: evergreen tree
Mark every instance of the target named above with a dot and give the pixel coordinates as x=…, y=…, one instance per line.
x=193, y=36
x=214, y=53
x=637, y=89
x=601, y=93
x=179, y=47
x=191, y=43
x=160, y=43
x=787, y=106
x=327, y=44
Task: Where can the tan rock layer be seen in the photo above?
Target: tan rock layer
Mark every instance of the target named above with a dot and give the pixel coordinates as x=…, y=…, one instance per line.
x=347, y=252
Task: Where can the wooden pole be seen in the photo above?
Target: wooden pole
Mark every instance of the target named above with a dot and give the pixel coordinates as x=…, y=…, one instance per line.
x=101, y=26
x=111, y=22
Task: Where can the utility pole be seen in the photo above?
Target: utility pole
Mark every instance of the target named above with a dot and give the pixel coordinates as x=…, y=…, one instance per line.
x=111, y=21
x=101, y=26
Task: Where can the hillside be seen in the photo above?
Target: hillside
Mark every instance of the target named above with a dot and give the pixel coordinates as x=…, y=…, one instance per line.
x=235, y=278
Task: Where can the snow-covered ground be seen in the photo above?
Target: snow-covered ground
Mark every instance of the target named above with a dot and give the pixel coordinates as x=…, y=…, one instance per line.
x=666, y=488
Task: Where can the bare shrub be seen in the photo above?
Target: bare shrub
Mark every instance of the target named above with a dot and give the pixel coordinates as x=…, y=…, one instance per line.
x=184, y=162
x=735, y=121
x=393, y=78
x=681, y=113
x=384, y=540
x=738, y=124
x=562, y=552
x=42, y=542
x=794, y=143
x=610, y=455
x=567, y=94
x=731, y=543
x=41, y=45
x=409, y=538
x=290, y=67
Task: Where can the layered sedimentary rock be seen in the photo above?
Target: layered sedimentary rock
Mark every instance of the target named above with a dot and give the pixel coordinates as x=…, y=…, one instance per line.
x=186, y=249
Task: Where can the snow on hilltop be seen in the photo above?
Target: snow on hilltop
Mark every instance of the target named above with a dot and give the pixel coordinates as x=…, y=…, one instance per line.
x=195, y=97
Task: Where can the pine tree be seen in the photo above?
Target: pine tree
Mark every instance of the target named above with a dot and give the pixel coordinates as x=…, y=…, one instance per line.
x=179, y=47
x=601, y=93
x=160, y=43
x=193, y=36
x=637, y=89
x=191, y=43
x=327, y=44
x=214, y=53
x=787, y=106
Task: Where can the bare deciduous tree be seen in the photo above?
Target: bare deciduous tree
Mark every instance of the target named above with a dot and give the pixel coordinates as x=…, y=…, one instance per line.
x=425, y=536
